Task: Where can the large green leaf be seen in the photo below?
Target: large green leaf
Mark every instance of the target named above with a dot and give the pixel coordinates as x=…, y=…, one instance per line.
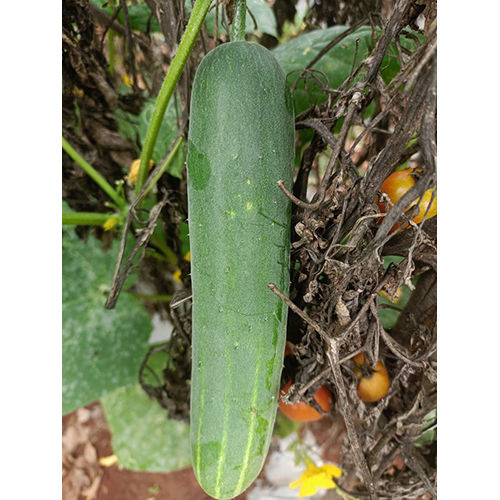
x=264, y=16
x=336, y=64
x=166, y=135
x=102, y=349
x=142, y=436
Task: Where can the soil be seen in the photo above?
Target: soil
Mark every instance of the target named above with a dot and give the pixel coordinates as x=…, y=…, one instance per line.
x=87, y=440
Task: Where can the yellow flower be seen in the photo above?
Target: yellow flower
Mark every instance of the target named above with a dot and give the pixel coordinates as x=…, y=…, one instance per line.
x=177, y=276
x=188, y=256
x=396, y=297
x=108, y=461
x=134, y=170
x=316, y=477
x=110, y=223
x=127, y=80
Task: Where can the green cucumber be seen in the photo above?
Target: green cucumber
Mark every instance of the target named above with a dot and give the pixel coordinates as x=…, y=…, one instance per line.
x=241, y=142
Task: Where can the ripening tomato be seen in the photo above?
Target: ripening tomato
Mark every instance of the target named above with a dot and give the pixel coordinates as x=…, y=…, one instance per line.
x=396, y=185
x=374, y=382
x=302, y=412
x=288, y=348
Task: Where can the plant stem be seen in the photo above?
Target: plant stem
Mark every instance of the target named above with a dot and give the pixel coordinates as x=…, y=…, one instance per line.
x=239, y=19
x=84, y=218
x=94, y=175
x=111, y=52
x=164, y=248
x=193, y=28
x=159, y=298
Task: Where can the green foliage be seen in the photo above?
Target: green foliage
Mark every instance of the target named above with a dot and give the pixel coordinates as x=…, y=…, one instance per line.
x=336, y=64
x=184, y=237
x=135, y=128
x=101, y=349
x=429, y=432
x=283, y=426
x=143, y=437
x=139, y=16
x=128, y=125
x=263, y=14
x=389, y=317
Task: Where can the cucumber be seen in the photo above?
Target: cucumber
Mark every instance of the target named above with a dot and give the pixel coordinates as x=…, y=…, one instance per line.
x=241, y=142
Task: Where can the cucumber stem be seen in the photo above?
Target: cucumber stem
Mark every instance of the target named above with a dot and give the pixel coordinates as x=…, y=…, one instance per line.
x=157, y=297
x=94, y=175
x=239, y=20
x=174, y=72
x=111, y=52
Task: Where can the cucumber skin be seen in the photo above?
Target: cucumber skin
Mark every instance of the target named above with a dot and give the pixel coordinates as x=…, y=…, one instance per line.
x=241, y=142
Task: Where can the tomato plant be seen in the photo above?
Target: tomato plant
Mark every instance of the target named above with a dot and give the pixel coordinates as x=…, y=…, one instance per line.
x=396, y=185
x=374, y=382
x=302, y=412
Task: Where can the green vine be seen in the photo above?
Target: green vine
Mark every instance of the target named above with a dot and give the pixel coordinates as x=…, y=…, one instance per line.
x=198, y=14
x=94, y=175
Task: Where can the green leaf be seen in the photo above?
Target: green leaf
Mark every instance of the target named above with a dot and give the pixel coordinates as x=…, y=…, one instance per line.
x=166, y=135
x=389, y=317
x=391, y=259
x=128, y=125
x=430, y=435
x=264, y=15
x=102, y=349
x=283, y=426
x=138, y=16
x=142, y=436
x=336, y=64
x=184, y=237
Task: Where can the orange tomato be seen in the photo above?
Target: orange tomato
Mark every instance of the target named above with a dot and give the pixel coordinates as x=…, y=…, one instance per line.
x=359, y=359
x=373, y=382
x=396, y=185
x=302, y=412
x=288, y=348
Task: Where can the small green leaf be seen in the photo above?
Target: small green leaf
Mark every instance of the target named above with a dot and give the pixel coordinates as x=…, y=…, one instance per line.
x=389, y=317
x=283, y=426
x=429, y=423
x=101, y=349
x=142, y=436
x=392, y=259
x=184, y=237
